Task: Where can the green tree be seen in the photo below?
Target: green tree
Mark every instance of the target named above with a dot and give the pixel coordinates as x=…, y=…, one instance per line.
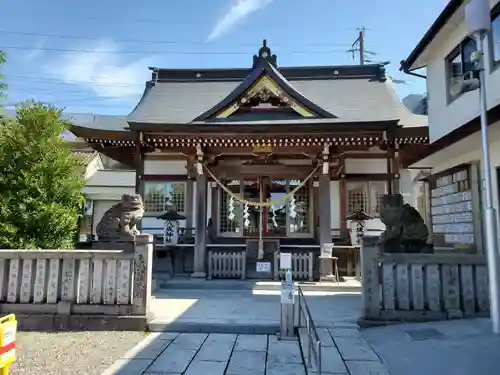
x=3, y=86
x=40, y=181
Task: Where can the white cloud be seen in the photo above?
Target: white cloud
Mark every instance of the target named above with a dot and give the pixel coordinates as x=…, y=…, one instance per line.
x=239, y=10
x=103, y=71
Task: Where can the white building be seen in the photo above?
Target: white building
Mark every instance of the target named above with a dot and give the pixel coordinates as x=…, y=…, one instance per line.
x=444, y=51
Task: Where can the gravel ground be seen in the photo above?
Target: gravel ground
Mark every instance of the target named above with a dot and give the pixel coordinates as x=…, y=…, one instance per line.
x=71, y=353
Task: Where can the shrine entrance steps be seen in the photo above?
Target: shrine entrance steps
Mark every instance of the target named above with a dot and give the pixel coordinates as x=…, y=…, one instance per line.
x=243, y=306
x=349, y=285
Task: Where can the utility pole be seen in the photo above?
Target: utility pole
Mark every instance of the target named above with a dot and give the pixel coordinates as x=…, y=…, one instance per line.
x=359, y=46
x=361, y=39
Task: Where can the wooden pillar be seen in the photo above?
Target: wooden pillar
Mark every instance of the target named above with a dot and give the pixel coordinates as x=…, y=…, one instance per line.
x=325, y=235
x=139, y=170
x=390, y=156
x=139, y=164
x=201, y=227
x=342, y=195
x=395, y=170
x=189, y=202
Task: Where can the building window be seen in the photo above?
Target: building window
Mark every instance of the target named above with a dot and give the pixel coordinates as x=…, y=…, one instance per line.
x=458, y=62
x=160, y=196
x=365, y=196
x=495, y=36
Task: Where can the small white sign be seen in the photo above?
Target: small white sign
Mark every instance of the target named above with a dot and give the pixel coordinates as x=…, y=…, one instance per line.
x=286, y=261
x=263, y=267
x=287, y=295
x=327, y=250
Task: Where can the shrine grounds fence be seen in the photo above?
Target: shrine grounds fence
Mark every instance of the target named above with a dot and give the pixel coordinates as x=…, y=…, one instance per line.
x=78, y=289
x=421, y=287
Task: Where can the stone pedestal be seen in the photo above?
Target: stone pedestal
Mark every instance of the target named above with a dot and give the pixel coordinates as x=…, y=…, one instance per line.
x=143, y=274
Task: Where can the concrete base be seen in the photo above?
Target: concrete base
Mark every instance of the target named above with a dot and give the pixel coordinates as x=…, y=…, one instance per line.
x=53, y=323
x=199, y=275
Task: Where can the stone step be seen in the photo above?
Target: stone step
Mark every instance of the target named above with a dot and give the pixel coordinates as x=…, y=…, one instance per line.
x=350, y=285
x=213, y=326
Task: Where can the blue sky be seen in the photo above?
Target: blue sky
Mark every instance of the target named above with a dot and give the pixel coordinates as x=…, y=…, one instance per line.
x=93, y=56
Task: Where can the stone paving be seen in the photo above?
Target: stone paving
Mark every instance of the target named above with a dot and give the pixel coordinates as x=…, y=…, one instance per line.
x=344, y=351
x=211, y=354
x=246, y=311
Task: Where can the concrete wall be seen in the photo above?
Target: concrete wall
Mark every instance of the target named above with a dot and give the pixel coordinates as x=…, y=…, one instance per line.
x=445, y=116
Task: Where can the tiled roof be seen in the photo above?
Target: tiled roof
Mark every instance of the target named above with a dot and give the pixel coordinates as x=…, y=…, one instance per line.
x=85, y=156
x=353, y=99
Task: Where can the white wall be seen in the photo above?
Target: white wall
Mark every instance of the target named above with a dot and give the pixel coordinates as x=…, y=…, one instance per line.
x=366, y=166
x=334, y=204
x=112, y=177
x=174, y=167
x=444, y=117
x=110, y=184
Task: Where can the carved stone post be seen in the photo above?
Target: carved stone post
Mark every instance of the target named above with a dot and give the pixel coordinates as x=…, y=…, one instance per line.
x=201, y=227
x=370, y=284
x=143, y=274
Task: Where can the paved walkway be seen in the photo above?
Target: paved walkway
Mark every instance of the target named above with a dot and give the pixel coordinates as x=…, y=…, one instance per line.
x=214, y=354
x=180, y=310
x=459, y=347
x=344, y=352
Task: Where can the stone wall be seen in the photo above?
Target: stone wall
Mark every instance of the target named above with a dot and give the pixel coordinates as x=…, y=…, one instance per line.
x=77, y=289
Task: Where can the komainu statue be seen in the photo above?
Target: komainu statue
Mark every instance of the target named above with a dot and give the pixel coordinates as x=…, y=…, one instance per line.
x=119, y=222
x=405, y=230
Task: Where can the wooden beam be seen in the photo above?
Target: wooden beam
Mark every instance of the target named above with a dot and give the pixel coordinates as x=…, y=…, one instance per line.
x=226, y=171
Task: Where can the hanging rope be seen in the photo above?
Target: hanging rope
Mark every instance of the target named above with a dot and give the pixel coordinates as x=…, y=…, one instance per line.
x=260, y=204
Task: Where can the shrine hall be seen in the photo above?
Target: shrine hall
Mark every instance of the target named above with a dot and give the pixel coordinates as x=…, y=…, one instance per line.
x=253, y=162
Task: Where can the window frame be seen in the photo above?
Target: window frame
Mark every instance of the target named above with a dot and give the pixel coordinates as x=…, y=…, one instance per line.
x=371, y=192
x=164, y=183
x=457, y=51
x=495, y=14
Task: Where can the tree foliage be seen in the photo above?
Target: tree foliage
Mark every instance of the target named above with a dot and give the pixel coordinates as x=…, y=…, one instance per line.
x=3, y=85
x=40, y=181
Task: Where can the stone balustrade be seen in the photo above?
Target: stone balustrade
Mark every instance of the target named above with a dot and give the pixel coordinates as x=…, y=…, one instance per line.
x=83, y=284
x=420, y=287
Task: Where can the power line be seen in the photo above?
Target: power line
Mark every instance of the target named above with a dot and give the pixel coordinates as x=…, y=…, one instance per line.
x=5, y=48
x=68, y=82
x=172, y=42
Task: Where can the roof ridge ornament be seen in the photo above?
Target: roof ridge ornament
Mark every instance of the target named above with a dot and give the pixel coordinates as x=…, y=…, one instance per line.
x=265, y=53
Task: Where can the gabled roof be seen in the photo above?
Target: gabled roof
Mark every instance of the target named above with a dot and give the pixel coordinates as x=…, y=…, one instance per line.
x=351, y=93
x=448, y=12
x=265, y=65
